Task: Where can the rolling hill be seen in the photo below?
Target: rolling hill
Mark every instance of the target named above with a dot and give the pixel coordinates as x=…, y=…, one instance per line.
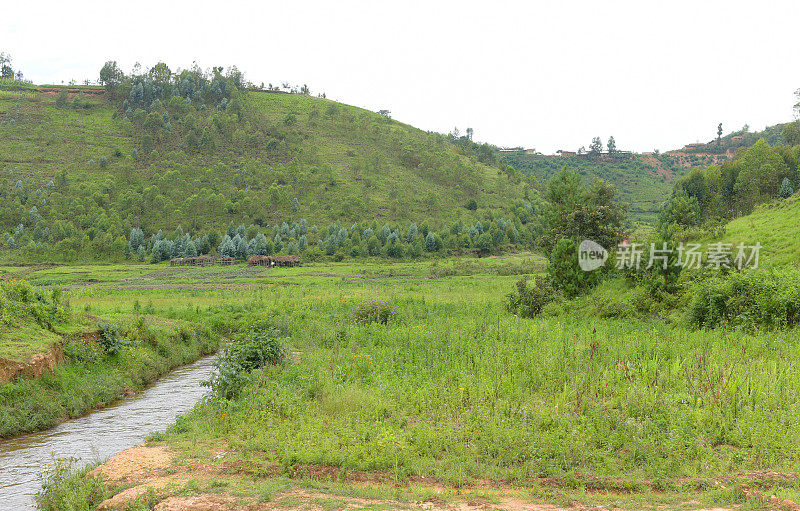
x=643, y=180
x=80, y=164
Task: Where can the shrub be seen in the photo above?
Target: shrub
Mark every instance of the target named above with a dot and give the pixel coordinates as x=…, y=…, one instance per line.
x=750, y=299
x=373, y=311
x=528, y=302
x=83, y=350
x=111, y=339
x=64, y=486
x=240, y=358
x=566, y=273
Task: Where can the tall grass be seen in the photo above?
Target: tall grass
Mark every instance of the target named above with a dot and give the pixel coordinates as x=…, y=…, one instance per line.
x=454, y=387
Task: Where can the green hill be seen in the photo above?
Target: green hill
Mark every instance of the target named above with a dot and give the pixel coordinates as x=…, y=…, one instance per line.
x=776, y=225
x=643, y=182
x=81, y=166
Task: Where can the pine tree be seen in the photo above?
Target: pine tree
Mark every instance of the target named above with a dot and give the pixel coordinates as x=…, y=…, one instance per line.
x=786, y=189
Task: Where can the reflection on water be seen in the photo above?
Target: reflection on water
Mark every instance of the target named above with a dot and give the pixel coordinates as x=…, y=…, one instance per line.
x=98, y=435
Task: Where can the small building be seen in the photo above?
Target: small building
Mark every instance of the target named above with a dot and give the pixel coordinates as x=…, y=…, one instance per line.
x=286, y=261
x=227, y=261
x=272, y=261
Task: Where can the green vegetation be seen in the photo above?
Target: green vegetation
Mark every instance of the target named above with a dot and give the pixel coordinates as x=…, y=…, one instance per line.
x=101, y=371
x=774, y=225
x=251, y=350
x=456, y=388
x=503, y=368
x=32, y=319
x=156, y=150
x=736, y=187
x=637, y=183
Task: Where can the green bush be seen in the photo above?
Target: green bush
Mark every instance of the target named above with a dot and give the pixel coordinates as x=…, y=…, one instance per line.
x=565, y=272
x=373, y=311
x=752, y=299
x=63, y=486
x=83, y=350
x=240, y=358
x=528, y=302
x=111, y=339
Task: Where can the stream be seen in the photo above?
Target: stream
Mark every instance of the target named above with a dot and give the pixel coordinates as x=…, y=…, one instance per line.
x=99, y=435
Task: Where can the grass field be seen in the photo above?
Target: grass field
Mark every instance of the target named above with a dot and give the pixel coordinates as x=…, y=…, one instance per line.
x=456, y=393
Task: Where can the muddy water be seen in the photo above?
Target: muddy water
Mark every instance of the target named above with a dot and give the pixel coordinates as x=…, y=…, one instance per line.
x=98, y=435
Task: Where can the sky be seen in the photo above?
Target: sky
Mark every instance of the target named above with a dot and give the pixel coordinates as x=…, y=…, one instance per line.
x=546, y=75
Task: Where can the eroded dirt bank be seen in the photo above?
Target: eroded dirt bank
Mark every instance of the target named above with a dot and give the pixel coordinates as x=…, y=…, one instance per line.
x=170, y=481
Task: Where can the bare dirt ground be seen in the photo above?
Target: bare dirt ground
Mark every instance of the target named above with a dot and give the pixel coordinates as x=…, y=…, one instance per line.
x=160, y=476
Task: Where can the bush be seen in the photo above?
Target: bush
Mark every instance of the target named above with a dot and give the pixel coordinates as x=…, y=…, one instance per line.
x=83, y=350
x=373, y=311
x=528, y=302
x=565, y=272
x=64, y=486
x=750, y=299
x=240, y=358
x=111, y=339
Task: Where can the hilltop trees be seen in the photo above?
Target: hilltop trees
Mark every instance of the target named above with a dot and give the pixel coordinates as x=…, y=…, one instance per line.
x=111, y=75
x=612, y=146
x=6, y=71
x=596, y=147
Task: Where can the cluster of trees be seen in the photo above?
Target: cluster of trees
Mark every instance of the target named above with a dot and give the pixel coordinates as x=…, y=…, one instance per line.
x=191, y=109
x=575, y=212
x=42, y=216
x=6, y=70
x=758, y=174
x=596, y=147
x=361, y=239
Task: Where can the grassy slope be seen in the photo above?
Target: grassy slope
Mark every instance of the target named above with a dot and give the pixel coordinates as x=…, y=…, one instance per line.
x=776, y=225
x=638, y=184
x=342, y=166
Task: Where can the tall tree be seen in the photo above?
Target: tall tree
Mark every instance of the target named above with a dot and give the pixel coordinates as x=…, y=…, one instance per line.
x=596, y=147
x=111, y=75
x=719, y=134
x=612, y=146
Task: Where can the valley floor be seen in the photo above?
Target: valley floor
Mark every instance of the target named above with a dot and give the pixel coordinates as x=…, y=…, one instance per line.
x=454, y=403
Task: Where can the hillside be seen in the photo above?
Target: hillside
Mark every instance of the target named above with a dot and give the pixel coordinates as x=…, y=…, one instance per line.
x=83, y=167
x=775, y=225
x=644, y=181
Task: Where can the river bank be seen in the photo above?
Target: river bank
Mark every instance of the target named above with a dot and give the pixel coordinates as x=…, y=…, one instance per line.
x=92, y=379
x=98, y=435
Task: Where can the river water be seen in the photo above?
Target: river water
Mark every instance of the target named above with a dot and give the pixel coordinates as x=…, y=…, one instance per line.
x=99, y=435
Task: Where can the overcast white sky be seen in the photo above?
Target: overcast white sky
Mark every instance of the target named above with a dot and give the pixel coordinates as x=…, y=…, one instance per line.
x=549, y=75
